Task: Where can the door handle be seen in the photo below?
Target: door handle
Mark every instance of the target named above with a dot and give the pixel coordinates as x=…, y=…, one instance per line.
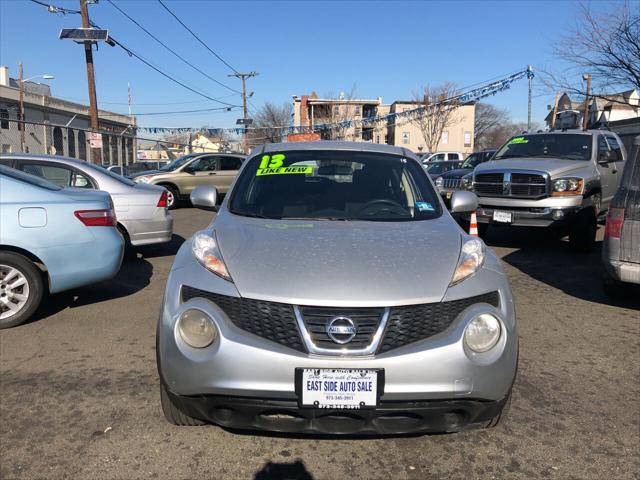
x=212, y=173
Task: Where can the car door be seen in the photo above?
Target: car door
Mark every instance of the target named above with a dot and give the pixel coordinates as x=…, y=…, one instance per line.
x=199, y=172
x=57, y=173
x=608, y=171
x=228, y=167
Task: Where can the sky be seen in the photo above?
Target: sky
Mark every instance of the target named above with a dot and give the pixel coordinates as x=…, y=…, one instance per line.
x=385, y=49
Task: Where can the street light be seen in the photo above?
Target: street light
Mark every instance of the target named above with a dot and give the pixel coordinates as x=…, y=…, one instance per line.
x=21, y=84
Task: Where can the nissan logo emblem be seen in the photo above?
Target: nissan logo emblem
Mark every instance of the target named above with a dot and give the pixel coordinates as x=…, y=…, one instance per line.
x=341, y=330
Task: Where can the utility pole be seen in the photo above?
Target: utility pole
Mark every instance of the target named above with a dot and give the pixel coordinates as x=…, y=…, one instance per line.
x=530, y=79
x=585, y=115
x=21, y=124
x=91, y=80
x=243, y=77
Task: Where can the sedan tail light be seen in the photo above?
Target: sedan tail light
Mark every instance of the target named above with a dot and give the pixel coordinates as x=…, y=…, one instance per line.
x=97, y=218
x=615, y=220
x=163, y=200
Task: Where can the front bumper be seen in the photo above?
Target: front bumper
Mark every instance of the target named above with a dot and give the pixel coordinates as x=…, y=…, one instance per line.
x=284, y=415
x=530, y=216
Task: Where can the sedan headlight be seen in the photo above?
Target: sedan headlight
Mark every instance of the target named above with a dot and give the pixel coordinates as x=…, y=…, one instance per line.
x=482, y=333
x=196, y=328
x=205, y=249
x=471, y=259
x=439, y=182
x=567, y=186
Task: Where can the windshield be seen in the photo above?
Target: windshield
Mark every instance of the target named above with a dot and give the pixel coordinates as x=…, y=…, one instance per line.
x=441, y=167
x=334, y=185
x=472, y=160
x=28, y=178
x=177, y=163
x=557, y=145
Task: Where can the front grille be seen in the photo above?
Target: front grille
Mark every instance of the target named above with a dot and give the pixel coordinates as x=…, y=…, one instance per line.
x=366, y=321
x=451, y=183
x=276, y=321
x=523, y=185
x=270, y=320
x=412, y=323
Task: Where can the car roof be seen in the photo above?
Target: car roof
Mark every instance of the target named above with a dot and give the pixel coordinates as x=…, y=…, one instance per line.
x=332, y=145
x=40, y=156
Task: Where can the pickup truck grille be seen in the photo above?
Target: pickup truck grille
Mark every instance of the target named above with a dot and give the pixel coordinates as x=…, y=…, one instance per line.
x=520, y=185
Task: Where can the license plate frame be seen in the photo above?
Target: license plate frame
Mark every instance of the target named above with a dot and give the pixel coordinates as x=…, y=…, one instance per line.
x=501, y=216
x=299, y=373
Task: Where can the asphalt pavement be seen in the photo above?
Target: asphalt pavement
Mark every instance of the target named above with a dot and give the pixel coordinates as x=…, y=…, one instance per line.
x=79, y=388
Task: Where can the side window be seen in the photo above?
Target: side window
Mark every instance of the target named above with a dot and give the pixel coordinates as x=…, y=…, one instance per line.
x=454, y=156
x=80, y=180
x=229, y=163
x=439, y=157
x=615, y=148
x=602, y=145
x=203, y=164
x=57, y=175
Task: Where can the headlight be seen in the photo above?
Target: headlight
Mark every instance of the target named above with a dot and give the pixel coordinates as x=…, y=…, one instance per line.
x=482, y=333
x=470, y=261
x=466, y=181
x=439, y=181
x=196, y=328
x=567, y=186
x=205, y=249
x=142, y=179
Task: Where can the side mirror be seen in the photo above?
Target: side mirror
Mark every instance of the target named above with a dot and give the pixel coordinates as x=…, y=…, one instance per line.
x=205, y=198
x=188, y=169
x=463, y=202
x=605, y=157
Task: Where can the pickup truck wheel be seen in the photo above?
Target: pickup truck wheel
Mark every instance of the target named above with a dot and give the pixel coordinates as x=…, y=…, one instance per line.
x=21, y=289
x=582, y=235
x=172, y=413
x=173, y=197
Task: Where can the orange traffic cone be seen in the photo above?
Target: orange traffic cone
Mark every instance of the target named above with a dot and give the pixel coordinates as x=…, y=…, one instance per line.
x=473, y=225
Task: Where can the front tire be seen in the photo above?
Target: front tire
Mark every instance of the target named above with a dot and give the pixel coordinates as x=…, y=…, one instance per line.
x=172, y=413
x=582, y=235
x=21, y=289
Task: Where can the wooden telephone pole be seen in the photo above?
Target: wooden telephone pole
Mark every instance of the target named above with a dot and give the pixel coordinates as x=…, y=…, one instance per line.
x=245, y=116
x=96, y=153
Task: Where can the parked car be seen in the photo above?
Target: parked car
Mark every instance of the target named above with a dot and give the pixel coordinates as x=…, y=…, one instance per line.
x=51, y=239
x=443, y=157
x=184, y=174
x=559, y=179
x=436, y=169
x=333, y=294
x=621, y=244
x=141, y=210
x=460, y=178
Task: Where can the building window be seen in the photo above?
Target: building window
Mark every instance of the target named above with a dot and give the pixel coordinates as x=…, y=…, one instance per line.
x=467, y=139
x=445, y=137
x=58, y=141
x=6, y=148
x=4, y=118
x=71, y=135
x=405, y=138
x=82, y=145
x=130, y=148
x=105, y=150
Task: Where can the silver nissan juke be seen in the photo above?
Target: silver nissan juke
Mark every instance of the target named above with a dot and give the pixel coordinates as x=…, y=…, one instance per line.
x=333, y=294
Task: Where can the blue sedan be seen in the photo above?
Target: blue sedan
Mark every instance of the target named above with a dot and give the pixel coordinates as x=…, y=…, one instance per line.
x=51, y=239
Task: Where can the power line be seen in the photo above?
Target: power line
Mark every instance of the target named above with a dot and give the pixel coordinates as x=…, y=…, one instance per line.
x=170, y=49
x=221, y=109
x=54, y=9
x=196, y=37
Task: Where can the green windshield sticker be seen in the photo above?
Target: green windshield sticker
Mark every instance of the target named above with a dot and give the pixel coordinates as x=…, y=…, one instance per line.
x=518, y=140
x=284, y=171
x=271, y=161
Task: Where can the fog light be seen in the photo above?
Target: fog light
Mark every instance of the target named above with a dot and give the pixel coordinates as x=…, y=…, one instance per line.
x=196, y=328
x=557, y=214
x=482, y=333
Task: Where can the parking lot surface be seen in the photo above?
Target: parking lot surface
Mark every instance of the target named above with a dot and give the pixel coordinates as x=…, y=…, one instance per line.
x=79, y=388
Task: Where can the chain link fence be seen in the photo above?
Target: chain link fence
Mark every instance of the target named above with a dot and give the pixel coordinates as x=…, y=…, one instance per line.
x=30, y=137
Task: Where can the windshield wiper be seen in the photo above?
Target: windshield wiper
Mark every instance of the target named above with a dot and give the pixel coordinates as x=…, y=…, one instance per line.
x=333, y=219
x=512, y=155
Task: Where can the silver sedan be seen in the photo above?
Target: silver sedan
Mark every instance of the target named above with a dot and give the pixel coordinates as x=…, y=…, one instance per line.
x=141, y=209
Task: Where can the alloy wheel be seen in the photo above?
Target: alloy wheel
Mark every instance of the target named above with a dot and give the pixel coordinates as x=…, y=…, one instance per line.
x=14, y=291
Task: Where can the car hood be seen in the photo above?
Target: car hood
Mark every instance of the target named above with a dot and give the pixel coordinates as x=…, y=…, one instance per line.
x=553, y=166
x=458, y=173
x=335, y=263
x=147, y=172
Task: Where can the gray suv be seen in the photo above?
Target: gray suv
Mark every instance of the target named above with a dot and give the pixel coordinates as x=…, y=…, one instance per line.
x=334, y=294
x=559, y=179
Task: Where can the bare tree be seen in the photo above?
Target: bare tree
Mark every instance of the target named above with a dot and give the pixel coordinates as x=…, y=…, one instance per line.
x=497, y=136
x=605, y=45
x=440, y=111
x=269, y=122
x=488, y=120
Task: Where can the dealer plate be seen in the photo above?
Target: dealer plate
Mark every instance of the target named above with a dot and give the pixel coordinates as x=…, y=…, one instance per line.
x=500, y=216
x=339, y=388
